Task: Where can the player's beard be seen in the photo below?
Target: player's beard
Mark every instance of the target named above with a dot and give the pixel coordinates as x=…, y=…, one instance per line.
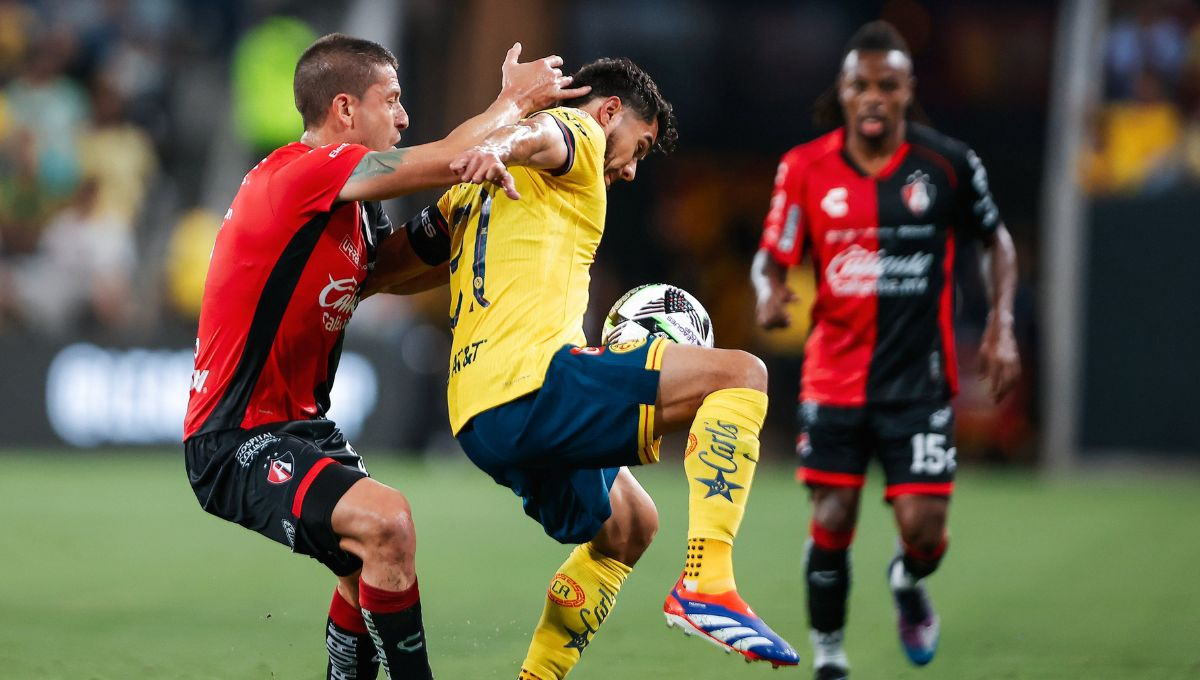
x=608, y=156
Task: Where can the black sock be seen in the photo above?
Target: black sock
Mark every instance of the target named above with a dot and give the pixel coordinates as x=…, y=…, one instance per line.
x=351, y=655
x=394, y=621
x=827, y=575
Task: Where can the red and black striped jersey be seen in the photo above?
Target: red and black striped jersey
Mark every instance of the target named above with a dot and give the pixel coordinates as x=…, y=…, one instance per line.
x=282, y=283
x=883, y=250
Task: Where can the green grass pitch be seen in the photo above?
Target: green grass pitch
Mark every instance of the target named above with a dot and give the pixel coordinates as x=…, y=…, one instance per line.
x=111, y=570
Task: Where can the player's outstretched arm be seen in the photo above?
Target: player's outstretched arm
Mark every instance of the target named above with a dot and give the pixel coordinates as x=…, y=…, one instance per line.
x=526, y=87
x=771, y=290
x=1000, y=362
x=537, y=142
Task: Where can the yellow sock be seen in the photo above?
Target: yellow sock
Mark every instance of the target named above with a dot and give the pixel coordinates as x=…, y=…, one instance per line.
x=721, y=455
x=581, y=596
x=709, y=566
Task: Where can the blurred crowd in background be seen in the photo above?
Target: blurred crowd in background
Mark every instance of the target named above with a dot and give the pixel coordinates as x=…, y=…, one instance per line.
x=125, y=126
x=1145, y=134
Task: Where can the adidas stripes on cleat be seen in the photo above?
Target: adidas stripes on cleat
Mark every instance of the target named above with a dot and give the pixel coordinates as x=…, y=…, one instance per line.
x=725, y=620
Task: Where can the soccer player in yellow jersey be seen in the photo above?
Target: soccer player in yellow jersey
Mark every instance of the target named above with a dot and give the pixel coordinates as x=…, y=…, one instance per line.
x=559, y=422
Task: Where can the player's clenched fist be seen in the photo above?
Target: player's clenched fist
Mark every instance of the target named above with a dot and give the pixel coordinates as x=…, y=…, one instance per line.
x=484, y=163
x=537, y=84
x=772, y=308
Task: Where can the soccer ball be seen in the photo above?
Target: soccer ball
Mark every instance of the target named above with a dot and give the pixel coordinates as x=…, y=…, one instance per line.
x=659, y=310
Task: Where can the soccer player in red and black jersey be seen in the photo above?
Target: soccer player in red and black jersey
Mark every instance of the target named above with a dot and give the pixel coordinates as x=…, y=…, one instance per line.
x=881, y=205
x=290, y=264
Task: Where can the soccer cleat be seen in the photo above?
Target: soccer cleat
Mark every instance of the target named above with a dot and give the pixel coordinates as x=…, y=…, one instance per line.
x=726, y=621
x=917, y=622
x=831, y=673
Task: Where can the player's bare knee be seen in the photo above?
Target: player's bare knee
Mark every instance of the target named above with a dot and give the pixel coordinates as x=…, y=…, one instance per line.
x=735, y=368
x=389, y=535
x=923, y=537
x=923, y=531
x=836, y=509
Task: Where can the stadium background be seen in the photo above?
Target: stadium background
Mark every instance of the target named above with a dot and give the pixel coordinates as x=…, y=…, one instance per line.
x=125, y=125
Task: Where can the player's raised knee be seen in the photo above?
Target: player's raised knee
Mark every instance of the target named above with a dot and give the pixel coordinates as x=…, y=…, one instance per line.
x=742, y=369
x=388, y=533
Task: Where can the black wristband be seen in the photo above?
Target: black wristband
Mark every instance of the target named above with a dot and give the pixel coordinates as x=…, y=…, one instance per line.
x=429, y=235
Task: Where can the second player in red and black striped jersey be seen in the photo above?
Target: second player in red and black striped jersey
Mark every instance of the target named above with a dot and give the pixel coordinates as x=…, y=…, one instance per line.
x=882, y=206
x=883, y=248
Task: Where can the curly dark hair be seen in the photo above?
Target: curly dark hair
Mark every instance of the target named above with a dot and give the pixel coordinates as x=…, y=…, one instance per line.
x=332, y=65
x=625, y=79
x=874, y=36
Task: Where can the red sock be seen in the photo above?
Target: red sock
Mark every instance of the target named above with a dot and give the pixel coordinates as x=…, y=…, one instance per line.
x=921, y=563
x=346, y=615
x=380, y=601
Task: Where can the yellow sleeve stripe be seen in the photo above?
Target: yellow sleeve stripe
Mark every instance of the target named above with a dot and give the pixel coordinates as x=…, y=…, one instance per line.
x=654, y=355
x=647, y=443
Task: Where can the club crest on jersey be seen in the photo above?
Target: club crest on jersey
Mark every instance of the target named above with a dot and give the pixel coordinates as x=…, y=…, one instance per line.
x=279, y=469
x=626, y=347
x=565, y=592
x=803, y=445
x=918, y=193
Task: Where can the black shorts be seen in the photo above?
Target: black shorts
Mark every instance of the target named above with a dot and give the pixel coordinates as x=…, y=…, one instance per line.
x=281, y=480
x=914, y=442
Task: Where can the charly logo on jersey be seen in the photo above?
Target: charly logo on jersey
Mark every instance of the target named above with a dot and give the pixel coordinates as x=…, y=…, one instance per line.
x=590, y=351
x=939, y=419
x=918, y=193
x=834, y=204
x=859, y=272
x=280, y=468
x=341, y=297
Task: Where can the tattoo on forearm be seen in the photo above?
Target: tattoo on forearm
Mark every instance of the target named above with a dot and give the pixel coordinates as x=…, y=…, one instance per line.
x=379, y=163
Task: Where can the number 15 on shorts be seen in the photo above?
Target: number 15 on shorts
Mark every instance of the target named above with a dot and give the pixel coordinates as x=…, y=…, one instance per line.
x=930, y=455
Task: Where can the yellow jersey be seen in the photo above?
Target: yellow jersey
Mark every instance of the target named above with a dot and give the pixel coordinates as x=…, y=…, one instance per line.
x=520, y=270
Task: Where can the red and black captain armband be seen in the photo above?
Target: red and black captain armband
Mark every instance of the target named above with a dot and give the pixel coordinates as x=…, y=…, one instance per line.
x=429, y=235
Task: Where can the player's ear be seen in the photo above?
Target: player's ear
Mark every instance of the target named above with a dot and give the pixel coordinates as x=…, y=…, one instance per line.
x=609, y=108
x=342, y=107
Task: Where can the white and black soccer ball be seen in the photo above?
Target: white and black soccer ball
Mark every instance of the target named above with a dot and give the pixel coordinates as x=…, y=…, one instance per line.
x=659, y=310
